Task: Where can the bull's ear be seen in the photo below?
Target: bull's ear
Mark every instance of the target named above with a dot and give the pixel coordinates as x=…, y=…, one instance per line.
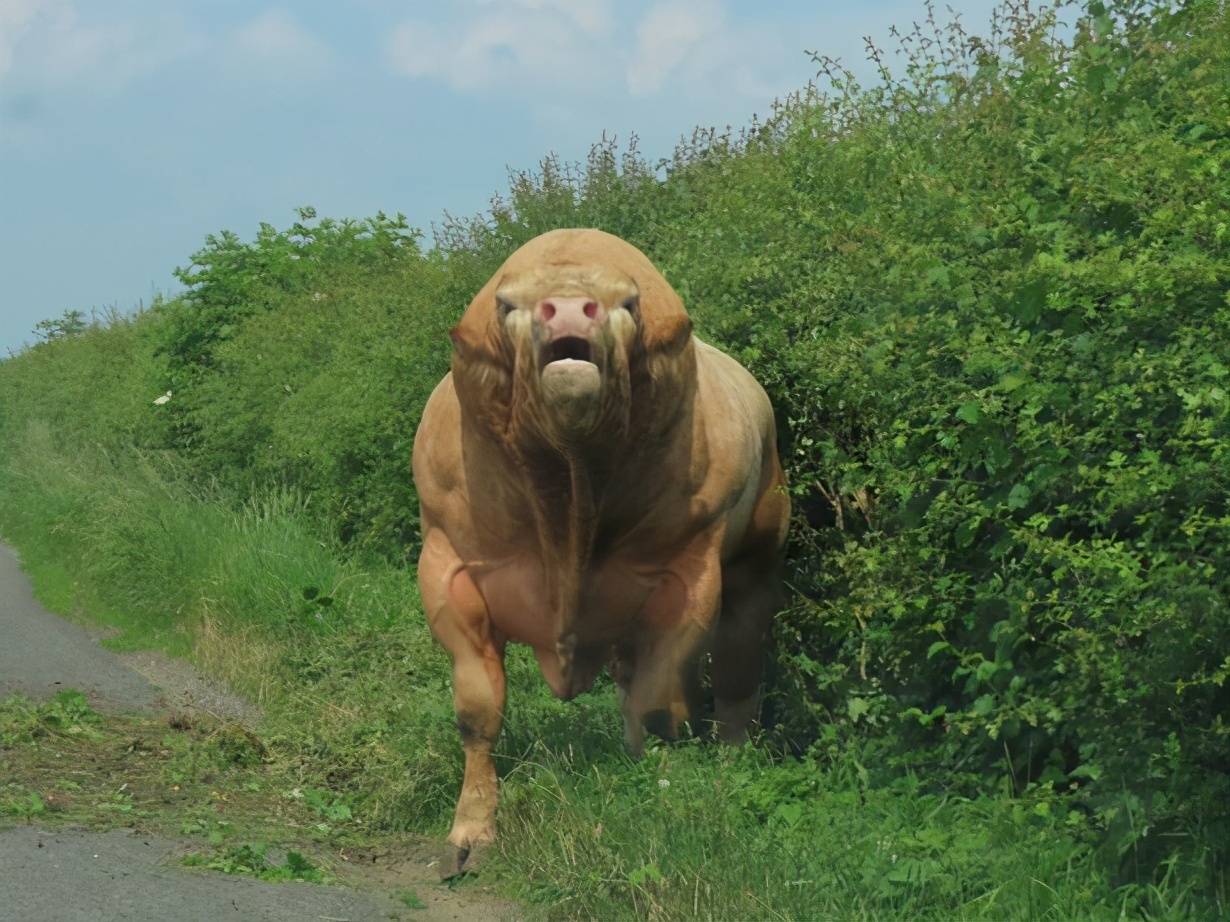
x=665, y=325
x=463, y=340
x=473, y=335
x=474, y=346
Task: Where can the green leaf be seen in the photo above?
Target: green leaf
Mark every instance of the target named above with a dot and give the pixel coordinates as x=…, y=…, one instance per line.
x=645, y=873
x=1029, y=301
x=969, y=413
x=965, y=532
x=1090, y=770
x=1011, y=381
x=790, y=812
x=857, y=707
x=1019, y=496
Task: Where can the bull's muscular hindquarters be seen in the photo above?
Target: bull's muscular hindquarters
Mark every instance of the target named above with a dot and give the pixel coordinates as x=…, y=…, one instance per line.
x=598, y=484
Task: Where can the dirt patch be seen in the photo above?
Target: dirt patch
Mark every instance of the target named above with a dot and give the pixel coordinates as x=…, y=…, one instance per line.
x=201, y=789
x=182, y=689
x=412, y=865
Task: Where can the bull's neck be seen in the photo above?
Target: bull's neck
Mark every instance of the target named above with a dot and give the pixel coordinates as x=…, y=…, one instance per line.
x=564, y=493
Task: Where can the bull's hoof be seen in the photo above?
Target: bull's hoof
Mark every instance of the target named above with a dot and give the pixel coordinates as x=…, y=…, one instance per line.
x=456, y=860
x=661, y=723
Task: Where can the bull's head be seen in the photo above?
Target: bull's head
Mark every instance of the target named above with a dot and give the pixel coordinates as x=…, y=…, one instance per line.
x=553, y=345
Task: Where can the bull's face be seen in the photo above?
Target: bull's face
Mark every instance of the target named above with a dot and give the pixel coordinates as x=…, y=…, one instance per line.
x=577, y=341
x=569, y=331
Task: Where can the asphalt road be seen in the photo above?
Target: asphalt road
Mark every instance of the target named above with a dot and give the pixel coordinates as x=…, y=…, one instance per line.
x=76, y=875
x=41, y=653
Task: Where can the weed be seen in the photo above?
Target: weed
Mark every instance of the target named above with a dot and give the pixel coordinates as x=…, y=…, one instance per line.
x=66, y=713
x=252, y=860
x=25, y=807
x=326, y=805
x=411, y=900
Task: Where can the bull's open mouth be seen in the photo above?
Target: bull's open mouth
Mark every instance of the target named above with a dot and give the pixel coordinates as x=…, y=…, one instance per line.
x=567, y=347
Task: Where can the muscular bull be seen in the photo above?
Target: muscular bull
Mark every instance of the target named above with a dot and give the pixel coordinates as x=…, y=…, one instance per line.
x=599, y=484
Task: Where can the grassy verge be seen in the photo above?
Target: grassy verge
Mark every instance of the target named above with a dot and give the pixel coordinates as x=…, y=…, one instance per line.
x=199, y=779
x=358, y=712
x=232, y=803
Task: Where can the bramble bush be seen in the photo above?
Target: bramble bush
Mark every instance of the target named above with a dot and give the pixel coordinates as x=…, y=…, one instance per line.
x=989, y=299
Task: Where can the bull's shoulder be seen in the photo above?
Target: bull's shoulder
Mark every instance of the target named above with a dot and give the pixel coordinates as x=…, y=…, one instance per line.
x=732, y=400
x=436, y=458
x=736, y=426
x=462, y=480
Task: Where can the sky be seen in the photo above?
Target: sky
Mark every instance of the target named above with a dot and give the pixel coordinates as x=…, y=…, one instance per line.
x=131, y=129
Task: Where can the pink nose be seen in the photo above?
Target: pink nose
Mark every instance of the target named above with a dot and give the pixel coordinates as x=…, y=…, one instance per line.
x=570, y=316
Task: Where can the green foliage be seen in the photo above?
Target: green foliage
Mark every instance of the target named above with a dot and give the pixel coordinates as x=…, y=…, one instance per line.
x=687, y=833
x=70, y=323
x=411, y=900
x=230, y=280
x=25, y=807
x=989, y=299
x=67, y=712
x=251, y=860
x=326, y=805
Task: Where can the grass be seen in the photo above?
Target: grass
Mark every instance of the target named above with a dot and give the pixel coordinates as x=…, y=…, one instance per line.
x=358, y=743
x=232, y=802
x=200, y=777
x=253, y=860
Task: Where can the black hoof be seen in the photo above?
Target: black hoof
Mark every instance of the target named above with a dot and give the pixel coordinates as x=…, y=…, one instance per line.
x=456, y=861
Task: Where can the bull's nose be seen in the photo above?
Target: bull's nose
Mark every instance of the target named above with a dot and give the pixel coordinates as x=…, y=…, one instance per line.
x=570, y=316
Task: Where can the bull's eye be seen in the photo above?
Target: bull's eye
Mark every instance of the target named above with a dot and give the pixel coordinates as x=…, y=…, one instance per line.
x=632, y=304
x=503, y=308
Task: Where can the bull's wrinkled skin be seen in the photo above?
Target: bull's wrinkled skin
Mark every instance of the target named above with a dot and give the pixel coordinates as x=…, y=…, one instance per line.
x=599, y=484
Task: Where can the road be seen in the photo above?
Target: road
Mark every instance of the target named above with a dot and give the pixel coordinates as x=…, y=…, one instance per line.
x=42, y=653
x=75, y=875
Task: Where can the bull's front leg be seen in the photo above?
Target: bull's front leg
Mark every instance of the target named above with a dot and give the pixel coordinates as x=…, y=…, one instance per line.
x=457, y=614
x=478, y=699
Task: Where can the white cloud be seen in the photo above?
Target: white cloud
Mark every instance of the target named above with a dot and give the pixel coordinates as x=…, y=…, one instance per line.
x=552, y=42
x=569, y=49
x=275, y=36
x=49, y=44
x=667, y=36
x=15, y=18
x=416, y=49
x=692, y=48
x=54, y=44
x=592, y=16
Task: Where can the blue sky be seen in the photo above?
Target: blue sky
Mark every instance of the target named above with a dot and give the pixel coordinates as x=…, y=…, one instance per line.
x=130, y=129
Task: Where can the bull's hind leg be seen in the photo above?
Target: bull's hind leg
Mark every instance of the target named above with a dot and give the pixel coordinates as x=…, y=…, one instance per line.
x=664, y=710
x=750, y=596
x=458, y=618
x=658, y=683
